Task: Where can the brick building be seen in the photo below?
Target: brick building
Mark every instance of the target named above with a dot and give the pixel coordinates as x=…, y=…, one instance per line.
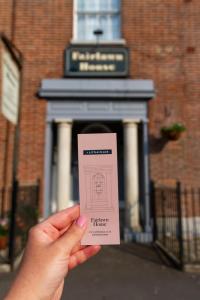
x=161, y=87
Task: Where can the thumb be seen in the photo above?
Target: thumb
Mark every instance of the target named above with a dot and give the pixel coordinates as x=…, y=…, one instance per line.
x=73, y=235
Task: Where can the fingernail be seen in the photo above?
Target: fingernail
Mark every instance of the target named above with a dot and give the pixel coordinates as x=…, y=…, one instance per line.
x=81, y=221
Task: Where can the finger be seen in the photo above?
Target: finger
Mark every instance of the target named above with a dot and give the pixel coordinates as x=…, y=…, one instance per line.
x=50, y=232
x=62, y=219
x=77, y=248
x=83, y=255
x=73, y=235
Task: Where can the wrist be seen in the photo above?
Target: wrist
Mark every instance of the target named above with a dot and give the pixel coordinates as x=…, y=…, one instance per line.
x=22, y=290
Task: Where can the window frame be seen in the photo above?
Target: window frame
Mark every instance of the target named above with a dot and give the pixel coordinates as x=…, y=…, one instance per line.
x=75, y=39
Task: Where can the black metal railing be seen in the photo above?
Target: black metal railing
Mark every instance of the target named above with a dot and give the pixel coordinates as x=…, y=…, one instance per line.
x=26, y=214
x=191, y=224
x=176, y=212
x=21, y=217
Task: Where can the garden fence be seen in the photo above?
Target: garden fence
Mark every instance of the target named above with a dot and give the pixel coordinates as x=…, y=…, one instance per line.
x=176, y=213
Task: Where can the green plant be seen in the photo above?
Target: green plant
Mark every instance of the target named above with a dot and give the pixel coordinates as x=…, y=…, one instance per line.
x=175, y=127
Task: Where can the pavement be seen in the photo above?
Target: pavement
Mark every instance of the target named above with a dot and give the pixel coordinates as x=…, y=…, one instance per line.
x=133, y=271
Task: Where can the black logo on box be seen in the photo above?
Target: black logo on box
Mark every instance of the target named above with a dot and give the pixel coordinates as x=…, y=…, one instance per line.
x=97, y=152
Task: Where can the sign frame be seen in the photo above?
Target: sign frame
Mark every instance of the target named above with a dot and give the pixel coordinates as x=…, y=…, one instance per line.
x=96, y=74
x=10, y=85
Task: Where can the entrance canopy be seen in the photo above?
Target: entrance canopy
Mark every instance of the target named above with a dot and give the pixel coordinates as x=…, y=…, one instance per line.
x=96, y=88
x=124, y=100
x=87, y=99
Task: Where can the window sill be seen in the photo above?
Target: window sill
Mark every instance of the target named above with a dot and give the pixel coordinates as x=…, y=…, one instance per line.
x=84, y=42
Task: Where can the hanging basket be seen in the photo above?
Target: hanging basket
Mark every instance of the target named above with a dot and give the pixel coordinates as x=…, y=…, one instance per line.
x=172, y=135
x=173, y=132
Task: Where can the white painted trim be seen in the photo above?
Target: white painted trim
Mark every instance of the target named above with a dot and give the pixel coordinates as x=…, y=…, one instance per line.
x=66, y=121
x=131, y=121
x=75, y=41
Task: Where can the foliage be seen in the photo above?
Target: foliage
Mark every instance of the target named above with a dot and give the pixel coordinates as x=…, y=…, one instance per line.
x=175, y=127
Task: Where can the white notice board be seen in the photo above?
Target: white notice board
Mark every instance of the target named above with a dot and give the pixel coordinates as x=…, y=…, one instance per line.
x=10, y=87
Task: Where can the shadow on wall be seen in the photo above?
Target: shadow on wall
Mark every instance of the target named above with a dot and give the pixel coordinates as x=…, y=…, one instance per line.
x=157, y=144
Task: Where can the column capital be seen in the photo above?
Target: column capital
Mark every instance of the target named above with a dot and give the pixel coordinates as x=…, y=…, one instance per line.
x=130, y=122
x=145, y=121
x=63, y=121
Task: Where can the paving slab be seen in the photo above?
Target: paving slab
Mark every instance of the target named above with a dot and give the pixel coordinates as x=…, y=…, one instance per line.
x=130, y=272
x=125, y=272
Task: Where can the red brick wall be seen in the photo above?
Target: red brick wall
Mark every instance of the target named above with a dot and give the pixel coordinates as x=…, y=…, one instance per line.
x=163, y=38
x=6, y=129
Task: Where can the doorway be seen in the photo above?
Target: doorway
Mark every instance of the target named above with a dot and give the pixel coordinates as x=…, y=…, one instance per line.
x=99, y=127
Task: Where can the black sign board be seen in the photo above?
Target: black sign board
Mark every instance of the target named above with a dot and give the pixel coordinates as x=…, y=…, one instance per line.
x=96, y=62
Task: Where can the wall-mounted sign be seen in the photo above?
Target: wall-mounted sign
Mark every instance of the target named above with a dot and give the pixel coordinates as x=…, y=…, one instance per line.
x=10, y=87
x=96, y=62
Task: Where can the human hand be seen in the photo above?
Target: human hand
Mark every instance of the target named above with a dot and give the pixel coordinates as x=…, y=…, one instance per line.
x=53, y=248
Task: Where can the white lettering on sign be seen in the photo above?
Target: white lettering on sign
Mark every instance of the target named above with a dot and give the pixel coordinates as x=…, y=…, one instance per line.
x=85, y=66
x=10, y=88
x=97, y=56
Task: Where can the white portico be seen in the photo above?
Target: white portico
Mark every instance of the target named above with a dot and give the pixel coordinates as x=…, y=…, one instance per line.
x=73, y=100
x=64, y=163
x=131, y=174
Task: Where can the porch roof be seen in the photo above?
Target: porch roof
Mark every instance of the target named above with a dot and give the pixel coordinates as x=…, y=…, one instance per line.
x=97, y=88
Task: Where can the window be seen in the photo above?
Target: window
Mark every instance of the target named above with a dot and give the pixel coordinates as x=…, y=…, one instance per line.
x=91, y=15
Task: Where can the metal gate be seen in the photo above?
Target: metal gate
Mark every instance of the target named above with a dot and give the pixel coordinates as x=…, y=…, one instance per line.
x=17, y=220
x=176, y=213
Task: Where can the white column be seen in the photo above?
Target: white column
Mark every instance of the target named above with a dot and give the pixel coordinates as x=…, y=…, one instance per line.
x=64, y=164
x=47, y=170
x=131, y=175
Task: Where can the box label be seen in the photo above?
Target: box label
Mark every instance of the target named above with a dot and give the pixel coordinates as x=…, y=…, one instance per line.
x=98, y=187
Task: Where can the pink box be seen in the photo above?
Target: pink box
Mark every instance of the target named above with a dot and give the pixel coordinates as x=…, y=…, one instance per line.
x=98, y=187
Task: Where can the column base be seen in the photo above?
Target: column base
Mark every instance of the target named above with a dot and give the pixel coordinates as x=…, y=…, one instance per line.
x=137, y=229
x=143, y=237
x=128, y=237
x=138, y=237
